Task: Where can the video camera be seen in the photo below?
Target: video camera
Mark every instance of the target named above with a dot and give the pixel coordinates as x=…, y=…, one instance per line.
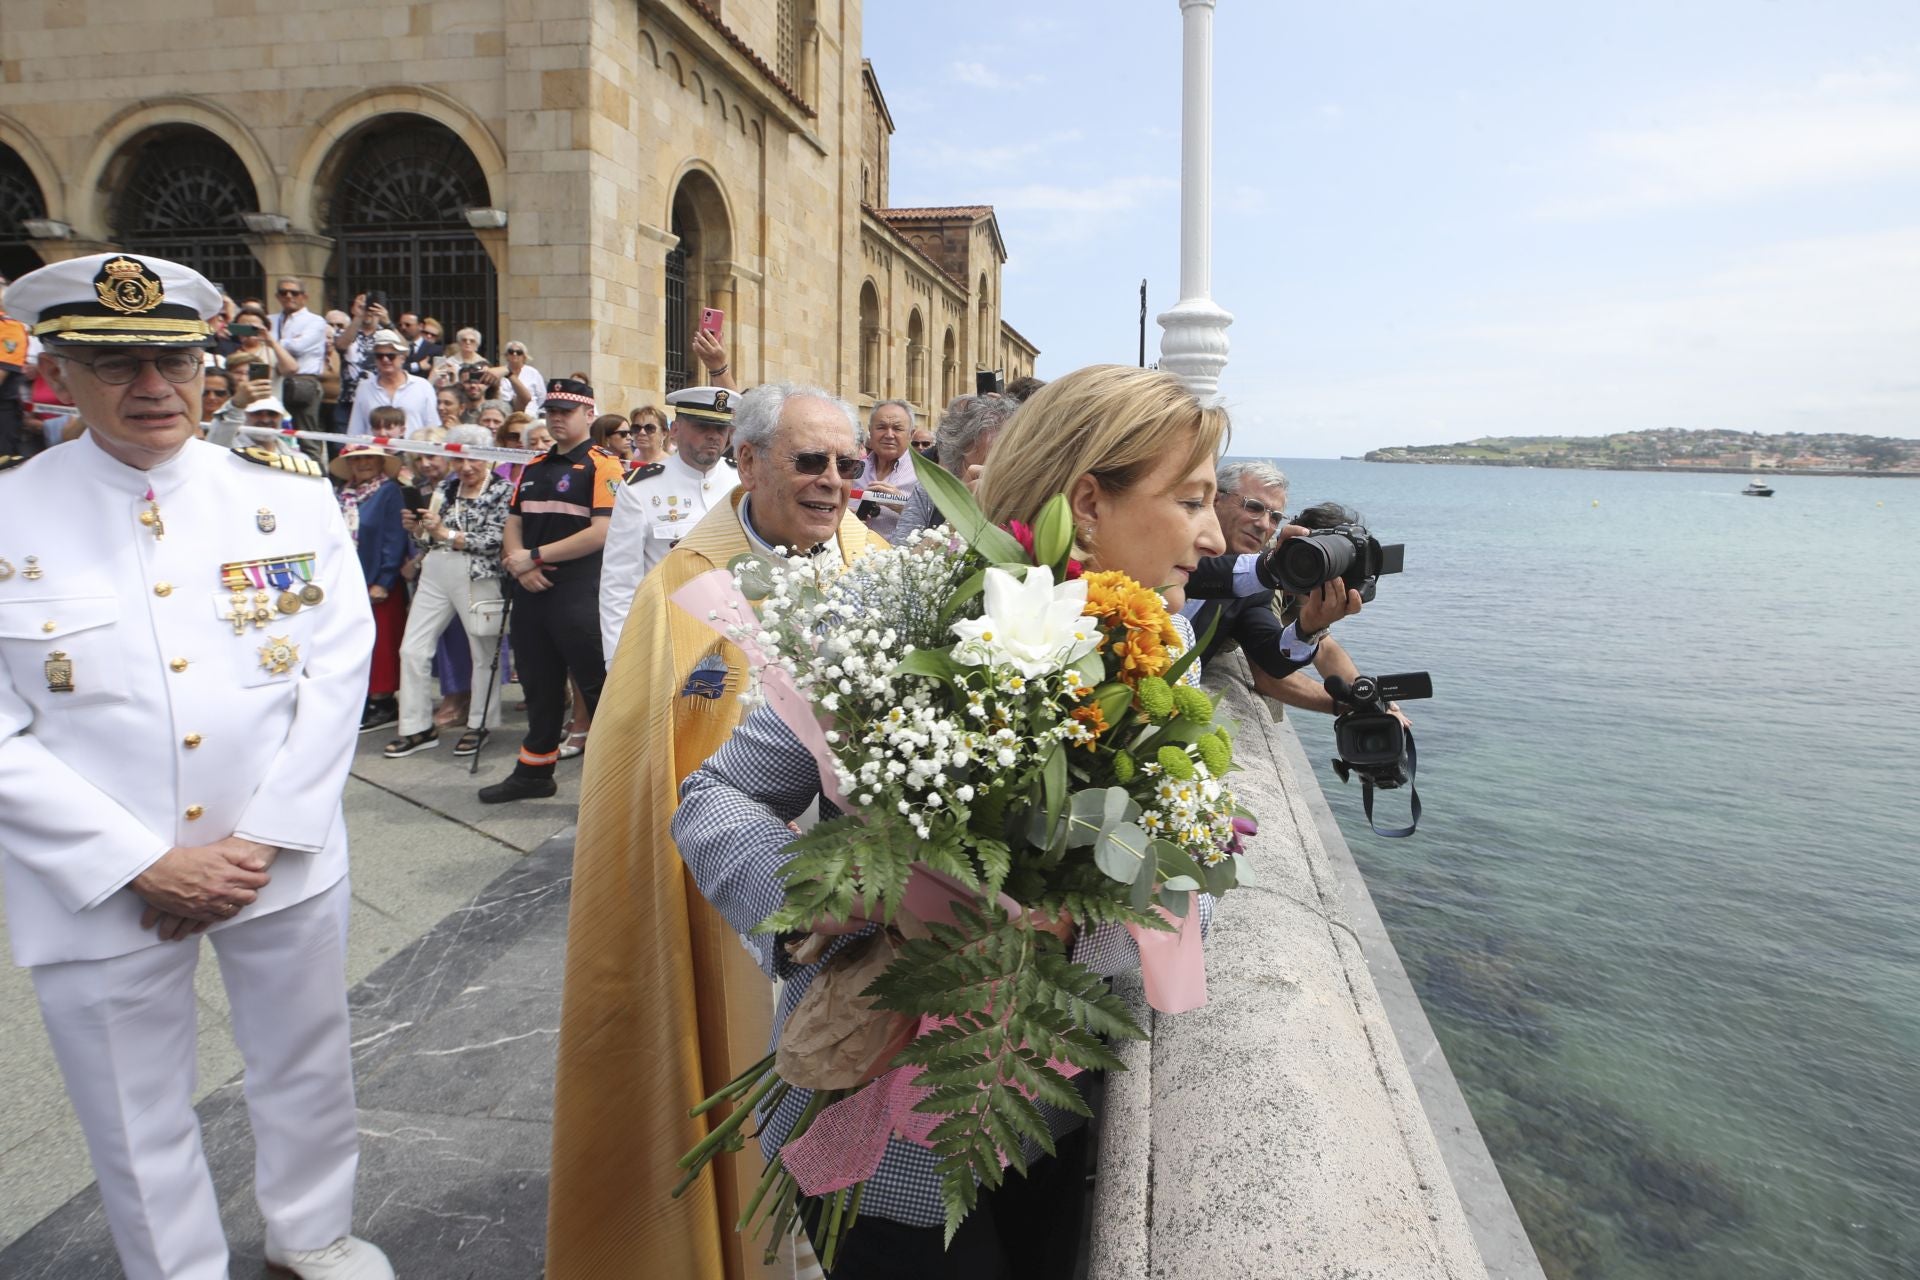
x=1372, y=741
x=1299, y=565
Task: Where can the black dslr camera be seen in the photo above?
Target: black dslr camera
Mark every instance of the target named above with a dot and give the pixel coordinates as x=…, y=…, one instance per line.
x=1371, y=740
x=1299, y=565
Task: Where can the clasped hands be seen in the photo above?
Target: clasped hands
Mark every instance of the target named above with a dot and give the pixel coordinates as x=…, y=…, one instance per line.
x=190, y=888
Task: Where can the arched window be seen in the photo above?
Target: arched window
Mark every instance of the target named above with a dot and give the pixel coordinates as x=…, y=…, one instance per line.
x=916, y=359
x=693, y=280
x=180, y=193
x=401, y=188
x=20, y=199
x=869, y=339
x=949, y=368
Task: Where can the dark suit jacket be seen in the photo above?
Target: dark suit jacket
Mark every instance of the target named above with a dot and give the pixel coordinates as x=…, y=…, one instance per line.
x=420, y=357
x=383, y=542
x=1252, y=622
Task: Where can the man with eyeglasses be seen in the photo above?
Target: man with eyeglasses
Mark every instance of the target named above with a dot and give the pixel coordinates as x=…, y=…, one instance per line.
x=420, y=348
x=649, y=963
x=520, y=382
x=662, y=501
x=176, y=724
x=306, y=337
x=391, y=384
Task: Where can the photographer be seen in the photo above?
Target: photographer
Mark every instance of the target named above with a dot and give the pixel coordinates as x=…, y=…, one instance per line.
x=355, y=345
x=1225, y=594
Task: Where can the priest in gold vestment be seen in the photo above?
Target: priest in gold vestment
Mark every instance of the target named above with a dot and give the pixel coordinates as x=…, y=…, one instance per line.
x=663, y=1005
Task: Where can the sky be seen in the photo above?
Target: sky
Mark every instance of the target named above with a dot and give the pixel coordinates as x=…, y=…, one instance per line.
x=1439, y=220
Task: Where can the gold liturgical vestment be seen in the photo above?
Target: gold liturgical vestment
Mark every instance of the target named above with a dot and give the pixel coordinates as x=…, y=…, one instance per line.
x=663, y=1005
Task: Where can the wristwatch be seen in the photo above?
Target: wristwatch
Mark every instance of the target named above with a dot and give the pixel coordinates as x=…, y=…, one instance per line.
x=1309, y=640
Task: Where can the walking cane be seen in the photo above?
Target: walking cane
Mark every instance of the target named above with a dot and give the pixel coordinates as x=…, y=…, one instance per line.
x=493, y=676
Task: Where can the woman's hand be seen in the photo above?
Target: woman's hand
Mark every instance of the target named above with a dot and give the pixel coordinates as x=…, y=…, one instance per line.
x=377, y=594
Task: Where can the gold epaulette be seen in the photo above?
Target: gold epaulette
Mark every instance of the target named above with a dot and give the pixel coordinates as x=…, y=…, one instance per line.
x=299, y=464
x=10, y=460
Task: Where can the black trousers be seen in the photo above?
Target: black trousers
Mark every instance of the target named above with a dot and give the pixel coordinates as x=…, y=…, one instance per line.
x=1029, y=1229
x=556, y=634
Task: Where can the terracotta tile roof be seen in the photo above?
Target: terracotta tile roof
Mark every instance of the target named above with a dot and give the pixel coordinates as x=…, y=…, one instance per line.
x=760, y=64
x=880, y=216
x=937, y=213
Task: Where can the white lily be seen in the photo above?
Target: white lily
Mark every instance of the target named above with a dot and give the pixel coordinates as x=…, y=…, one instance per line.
x=1035, y=627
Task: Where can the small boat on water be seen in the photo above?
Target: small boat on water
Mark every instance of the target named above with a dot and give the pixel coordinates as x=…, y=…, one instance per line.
x=1755, y=489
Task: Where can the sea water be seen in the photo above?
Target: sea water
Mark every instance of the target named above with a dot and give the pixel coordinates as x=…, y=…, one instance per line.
x=1663, y=908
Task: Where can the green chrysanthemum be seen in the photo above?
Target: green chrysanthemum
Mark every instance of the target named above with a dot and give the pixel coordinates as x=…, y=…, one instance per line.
x=1123, y=768
x=1156, y=697
x=1192, y=704
x=1215, y=754
x=1176, y=762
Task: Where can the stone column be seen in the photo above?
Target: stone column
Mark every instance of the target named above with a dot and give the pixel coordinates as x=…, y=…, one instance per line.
x=1194, y=344
x=299, y=254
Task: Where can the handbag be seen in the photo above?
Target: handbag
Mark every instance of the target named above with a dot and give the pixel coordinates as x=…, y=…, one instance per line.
x=485, y=615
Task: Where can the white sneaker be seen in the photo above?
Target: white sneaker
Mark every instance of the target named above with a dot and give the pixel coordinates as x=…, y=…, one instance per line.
x=348, y=1258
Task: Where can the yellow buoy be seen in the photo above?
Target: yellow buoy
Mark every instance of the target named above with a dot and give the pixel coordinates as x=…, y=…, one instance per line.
x=1596, y=502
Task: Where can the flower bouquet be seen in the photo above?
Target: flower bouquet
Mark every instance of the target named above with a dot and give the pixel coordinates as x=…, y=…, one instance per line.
x=1016, y=754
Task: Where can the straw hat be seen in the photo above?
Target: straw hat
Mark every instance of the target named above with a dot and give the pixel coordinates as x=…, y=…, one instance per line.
x=338, y=467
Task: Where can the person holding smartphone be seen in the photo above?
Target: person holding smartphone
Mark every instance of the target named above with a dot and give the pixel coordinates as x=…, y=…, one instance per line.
x=392, y=385
x=521, y=381
x=355, y=345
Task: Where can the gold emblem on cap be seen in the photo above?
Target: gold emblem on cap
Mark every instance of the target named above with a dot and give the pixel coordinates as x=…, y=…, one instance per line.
x=127, y=287
x=720, y=399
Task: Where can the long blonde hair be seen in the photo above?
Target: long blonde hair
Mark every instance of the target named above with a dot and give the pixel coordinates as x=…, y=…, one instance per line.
x=1113, y=422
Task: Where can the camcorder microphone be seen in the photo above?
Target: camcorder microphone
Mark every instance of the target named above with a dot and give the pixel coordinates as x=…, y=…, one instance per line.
x=1372, y=741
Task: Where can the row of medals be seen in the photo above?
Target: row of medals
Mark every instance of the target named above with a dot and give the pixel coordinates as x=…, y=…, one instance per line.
x=252, y=606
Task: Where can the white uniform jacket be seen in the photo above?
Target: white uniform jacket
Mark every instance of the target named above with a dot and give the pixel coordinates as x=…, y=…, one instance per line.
x=133, y=718
x=657, y=506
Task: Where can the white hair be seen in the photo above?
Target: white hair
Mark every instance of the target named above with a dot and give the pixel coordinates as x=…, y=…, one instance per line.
x=470, y=436
x=756, y=417
x=1264, y=474
x=913, y=419
x=461, y=333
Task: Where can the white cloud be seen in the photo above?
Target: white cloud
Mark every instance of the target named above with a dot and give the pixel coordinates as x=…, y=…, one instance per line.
x=1846, y=127
x=944, y=156
x=979, y=75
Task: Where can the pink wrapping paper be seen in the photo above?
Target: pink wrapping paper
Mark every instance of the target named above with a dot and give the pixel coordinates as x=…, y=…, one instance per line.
x=713, y=599
x=1172, y=965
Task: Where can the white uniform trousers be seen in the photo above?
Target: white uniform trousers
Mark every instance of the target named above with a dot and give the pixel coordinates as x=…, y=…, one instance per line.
x=441, y=595
x=123, y=1030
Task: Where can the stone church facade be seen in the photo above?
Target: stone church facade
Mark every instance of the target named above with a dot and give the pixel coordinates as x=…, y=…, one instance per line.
x=580, y=175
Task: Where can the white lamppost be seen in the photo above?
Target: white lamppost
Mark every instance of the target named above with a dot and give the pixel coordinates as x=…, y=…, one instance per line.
x=1194, y=344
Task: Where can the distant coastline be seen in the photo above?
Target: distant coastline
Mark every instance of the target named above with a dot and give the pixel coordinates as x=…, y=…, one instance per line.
x=1671, y=450
x=1714, y=470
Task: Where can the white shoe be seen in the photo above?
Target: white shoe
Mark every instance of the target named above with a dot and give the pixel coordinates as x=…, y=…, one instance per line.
x=348, y=1258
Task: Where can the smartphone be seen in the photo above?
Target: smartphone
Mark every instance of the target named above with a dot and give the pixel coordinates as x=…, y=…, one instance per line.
x=244, y=330
x=414, y=500
x=376, y=298
x=711, y=320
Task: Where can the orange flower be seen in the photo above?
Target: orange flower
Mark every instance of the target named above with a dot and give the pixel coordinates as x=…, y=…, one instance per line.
x=1090, y=716
x=1140, y=615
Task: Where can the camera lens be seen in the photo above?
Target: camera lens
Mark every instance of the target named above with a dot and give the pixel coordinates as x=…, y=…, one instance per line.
x=1301, y=564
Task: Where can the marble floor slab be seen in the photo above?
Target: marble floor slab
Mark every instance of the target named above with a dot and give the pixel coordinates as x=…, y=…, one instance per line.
x=454, y=1045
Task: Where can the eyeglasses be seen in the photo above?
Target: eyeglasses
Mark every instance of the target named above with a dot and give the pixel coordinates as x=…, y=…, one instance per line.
x=118, y=370
x=516, y=351
x=925, y=446
x=386, y=355
x=1260, y=510
x=622, y=431
x=291, y=293
x=813, y=463
x=646, y=428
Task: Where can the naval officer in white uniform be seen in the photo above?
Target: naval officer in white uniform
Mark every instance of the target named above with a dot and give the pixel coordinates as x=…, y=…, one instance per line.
x=661, y=501
x=184, y=640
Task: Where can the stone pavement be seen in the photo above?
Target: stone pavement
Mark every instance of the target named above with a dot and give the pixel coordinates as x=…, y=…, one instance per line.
x=455, y=953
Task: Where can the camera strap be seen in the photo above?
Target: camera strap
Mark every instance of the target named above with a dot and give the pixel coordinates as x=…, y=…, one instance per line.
x=1413, y=792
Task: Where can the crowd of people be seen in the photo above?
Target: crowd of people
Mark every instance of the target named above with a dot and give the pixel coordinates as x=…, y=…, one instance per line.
x=408, y=596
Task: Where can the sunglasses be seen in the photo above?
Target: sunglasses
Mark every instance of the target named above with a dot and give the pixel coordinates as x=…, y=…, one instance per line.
x=1261, y=511
x=814, y=463
x=622, y=431
x=386, y=355
x=925, y=446
x=291, y=293
x=646, y=428
x=119, y=370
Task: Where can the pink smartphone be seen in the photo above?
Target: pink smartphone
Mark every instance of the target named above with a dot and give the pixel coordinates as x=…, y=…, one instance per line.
x=711, y=320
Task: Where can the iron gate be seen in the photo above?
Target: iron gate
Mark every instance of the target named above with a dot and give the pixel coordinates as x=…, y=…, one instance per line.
x=679, y=362
x=183, y=199
x=443, y=274
x=19, y=200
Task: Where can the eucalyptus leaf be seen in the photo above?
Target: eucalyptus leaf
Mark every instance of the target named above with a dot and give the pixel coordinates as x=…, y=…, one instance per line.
x=755, y=574
x=1053, y=534
x=963, y=513
x=1180, y=884
x=1095, y=813
x=1222, y=876
x=1122, y=852
x=1174, y=900
x=1143, y=877
x=935, y=663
